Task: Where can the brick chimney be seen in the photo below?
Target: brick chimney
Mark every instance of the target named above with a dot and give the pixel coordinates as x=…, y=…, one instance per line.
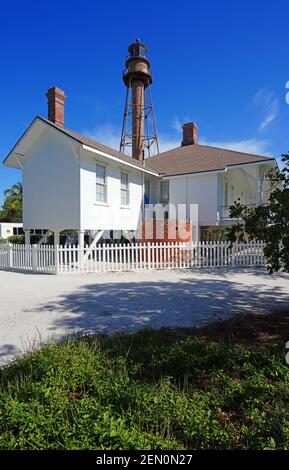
x=190, y=133
x=56, y=100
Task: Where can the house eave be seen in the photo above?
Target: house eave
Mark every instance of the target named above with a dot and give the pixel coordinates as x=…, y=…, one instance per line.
x=118, y=160
x=220, y=170
x=15, y=157
x=10, y=160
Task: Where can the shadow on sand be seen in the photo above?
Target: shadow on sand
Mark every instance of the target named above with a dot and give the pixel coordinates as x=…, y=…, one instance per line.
x=122, y=306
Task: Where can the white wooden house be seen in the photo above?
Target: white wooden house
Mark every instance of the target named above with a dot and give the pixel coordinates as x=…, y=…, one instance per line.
x=8, y=229
x=72, y=182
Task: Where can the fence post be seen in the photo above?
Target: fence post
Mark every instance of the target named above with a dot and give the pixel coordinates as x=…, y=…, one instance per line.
x=56, y=258
x=104, y=257
x=10, y=255
x=34, y=257
x=149, y=255
x=233, y=255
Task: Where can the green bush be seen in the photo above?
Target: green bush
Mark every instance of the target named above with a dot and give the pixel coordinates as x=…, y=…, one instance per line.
x=145, y=391
x=16, y=239
x=34, y=238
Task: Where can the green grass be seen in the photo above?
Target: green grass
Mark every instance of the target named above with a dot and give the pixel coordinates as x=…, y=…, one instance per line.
x=147, y=390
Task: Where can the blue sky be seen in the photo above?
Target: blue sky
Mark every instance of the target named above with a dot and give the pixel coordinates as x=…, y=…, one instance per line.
x=222, y=64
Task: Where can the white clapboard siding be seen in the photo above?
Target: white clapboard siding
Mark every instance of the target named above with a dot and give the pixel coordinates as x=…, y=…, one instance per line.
x=130, y=257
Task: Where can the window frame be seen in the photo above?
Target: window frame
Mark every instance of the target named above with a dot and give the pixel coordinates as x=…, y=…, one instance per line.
x=147, y=187
x=124, y=189
x=162, y=184
x=99, y=184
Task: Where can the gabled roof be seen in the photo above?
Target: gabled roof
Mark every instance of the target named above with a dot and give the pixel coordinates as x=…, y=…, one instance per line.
x=87, y=142
x=199, y=158
x=182, y=160
x=94, y=144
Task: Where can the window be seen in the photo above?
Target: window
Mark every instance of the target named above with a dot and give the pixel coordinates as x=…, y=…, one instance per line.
x=124, y=189
x=164, y=192
x=147, y=192
x=100, y=183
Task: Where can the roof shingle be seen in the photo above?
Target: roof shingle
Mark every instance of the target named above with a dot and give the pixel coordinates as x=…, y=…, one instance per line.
x=199, y=158
x=98, y=146
x=182, y=160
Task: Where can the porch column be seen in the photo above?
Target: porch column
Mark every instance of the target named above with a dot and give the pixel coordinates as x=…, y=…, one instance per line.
x=196, y=234
x=27, y=236
x=258, y=186
x=56, y=237
x=81, y=234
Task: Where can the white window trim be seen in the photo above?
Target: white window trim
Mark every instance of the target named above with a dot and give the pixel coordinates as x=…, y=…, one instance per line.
x=103, y=204
x=161, y=185
x=104, y=185
x=149, y=187
x=127, y=190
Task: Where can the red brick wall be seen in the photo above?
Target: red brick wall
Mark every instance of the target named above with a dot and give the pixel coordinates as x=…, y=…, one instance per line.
x=167, y=231
x=157, y=228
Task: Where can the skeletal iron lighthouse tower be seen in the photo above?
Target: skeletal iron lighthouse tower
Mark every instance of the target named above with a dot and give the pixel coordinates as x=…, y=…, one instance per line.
x=138, y=135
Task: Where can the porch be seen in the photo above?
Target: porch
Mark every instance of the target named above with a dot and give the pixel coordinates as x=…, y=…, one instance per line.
x=247, y=185
x=225, y=212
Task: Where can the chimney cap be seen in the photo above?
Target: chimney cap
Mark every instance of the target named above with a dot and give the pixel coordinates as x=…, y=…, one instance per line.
x=55, y=90
x=191, y=124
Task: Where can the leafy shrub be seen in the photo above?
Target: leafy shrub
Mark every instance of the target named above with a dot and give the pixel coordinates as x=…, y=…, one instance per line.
x=147, y=390
x=16, y=239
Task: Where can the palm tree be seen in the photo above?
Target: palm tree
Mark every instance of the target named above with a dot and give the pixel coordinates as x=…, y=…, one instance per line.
x=15, y=192
x=11, y=210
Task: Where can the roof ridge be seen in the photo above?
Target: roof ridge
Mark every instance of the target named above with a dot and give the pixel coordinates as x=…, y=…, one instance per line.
x=211, y=147
x=235, y=151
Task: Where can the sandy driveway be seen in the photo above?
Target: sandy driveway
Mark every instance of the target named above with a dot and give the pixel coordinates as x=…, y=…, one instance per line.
x=36, y=307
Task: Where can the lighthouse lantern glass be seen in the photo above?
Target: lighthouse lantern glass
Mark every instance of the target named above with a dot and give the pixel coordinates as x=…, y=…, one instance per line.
x=142, y=51
x=138, y=51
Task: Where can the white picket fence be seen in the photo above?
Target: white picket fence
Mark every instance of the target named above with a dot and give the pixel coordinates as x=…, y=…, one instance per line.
x=37, y=258
x=132, y=257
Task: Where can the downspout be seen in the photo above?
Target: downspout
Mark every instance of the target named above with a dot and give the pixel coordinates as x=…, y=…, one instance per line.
x=80, y=192
x=143, y=195
x=187, y=198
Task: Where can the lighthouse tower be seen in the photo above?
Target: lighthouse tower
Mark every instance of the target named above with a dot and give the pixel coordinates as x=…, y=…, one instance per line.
x=138, y=137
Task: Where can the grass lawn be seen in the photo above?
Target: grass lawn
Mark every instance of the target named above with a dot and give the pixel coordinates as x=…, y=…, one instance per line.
x=225, y=386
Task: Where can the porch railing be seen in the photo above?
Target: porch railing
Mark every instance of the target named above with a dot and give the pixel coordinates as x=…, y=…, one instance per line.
x=225, y=211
